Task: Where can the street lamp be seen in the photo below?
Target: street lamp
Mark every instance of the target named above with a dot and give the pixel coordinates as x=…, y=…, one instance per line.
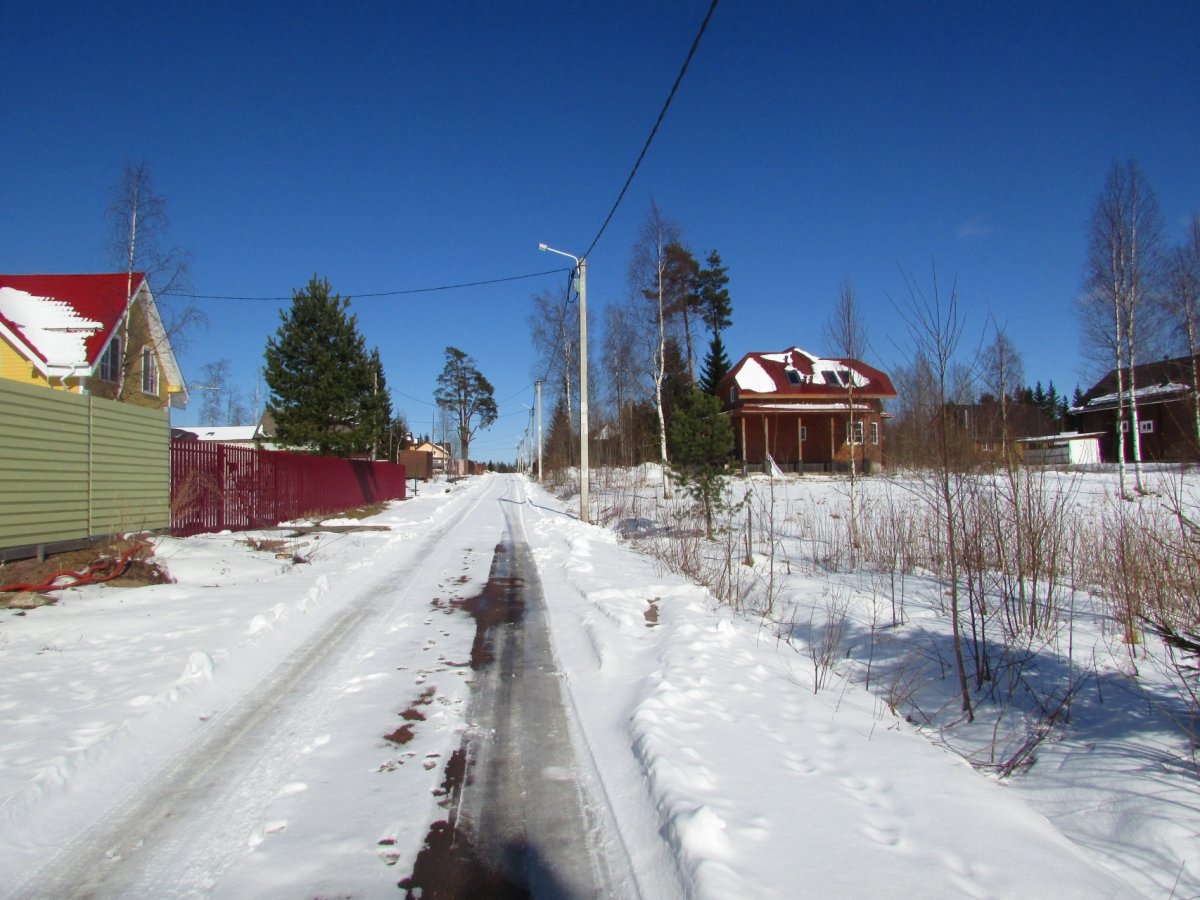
x=581, y=267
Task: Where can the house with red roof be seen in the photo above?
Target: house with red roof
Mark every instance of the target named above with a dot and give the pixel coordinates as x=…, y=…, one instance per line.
x=805, y=412
x=89, y=334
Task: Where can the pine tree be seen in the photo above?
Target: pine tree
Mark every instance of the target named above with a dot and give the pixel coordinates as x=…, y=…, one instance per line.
x=701, y=440
x=716, y=365
x=466, y=395
x=320, y=377
x=716, y=309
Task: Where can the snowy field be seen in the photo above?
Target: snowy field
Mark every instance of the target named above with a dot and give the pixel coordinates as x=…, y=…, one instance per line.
x=733, y=757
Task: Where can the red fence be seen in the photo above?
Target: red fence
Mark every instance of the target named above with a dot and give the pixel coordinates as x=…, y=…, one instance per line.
x=215, y=487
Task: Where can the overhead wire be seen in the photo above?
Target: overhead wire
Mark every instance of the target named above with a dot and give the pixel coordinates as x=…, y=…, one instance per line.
x=633, y=172
x=395, y=293
x=653, y=131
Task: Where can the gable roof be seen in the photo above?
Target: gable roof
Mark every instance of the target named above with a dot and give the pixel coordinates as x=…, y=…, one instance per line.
x=803, y=375
x=100, y=300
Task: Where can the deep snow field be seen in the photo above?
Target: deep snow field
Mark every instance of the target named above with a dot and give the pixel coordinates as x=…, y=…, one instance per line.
x=725, y=773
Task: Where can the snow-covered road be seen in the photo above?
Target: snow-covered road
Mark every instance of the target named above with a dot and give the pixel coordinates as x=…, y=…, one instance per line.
x=272, y=729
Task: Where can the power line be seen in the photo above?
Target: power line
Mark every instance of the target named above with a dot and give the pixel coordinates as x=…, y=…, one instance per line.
x=653, y=131
x=397, y=293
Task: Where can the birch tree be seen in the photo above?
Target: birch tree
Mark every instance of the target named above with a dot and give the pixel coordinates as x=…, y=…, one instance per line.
x=647, y=278
x=1003, y=373
x=1184, y=305
x=554, y=331
x=935, y=327
x=1122, y=272
x=137, y=216
x=847, y=332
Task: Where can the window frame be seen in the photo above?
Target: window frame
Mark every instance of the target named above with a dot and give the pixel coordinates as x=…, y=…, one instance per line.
x=109, y=368
x=151, y=383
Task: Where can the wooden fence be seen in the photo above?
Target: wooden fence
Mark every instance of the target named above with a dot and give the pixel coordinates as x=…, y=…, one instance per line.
x=215, y=487
x=76, y=469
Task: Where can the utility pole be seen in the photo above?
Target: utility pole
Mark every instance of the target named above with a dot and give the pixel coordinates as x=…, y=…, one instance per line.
x=538, y=385
x=581, y=268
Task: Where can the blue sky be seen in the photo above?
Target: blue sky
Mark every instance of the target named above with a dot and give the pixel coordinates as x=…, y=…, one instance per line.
x=394, y=146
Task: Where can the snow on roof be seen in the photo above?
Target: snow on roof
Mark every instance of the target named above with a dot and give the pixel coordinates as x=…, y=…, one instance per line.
x=103, y=300
x=811, y=407
x=1150, y=392
x=51, y=328
x=224, y=432
x=795, y=370
x=753, y=377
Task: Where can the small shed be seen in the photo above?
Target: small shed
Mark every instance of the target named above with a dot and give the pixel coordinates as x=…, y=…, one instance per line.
x=1071, y=448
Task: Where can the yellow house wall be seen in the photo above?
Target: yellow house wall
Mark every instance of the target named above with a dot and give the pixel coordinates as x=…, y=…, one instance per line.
x=15, y=367
x=136, y=337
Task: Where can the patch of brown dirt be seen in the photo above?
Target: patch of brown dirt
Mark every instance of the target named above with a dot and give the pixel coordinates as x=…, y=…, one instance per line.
x=499, y=603
x=141, y=570
x=651, y=612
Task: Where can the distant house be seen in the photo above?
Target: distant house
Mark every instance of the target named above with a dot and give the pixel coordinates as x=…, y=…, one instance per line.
x=795, y=407
x=440, y=455
x=1166, y=403
x=236, y=435
x=985, y=422
x=88, y=334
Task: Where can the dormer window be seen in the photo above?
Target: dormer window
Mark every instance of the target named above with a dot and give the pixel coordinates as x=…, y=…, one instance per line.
x=793, y=376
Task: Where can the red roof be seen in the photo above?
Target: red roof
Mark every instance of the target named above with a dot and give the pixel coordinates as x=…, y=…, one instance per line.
x=812, y=377
x=102, y=298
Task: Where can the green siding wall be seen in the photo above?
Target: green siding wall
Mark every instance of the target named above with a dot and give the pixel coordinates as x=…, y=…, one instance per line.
x=74, y=467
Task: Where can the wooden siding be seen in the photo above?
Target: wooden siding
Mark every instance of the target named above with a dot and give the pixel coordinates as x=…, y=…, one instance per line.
x=76, y=468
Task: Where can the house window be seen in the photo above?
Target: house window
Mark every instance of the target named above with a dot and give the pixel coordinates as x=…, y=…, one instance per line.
x=857, y=436
x=149, y=372
x=803, y=433
x=793, y=376
x=110, y=362
x=1146, y=426
x=733, y=394
x=1124, y=426
x=875, y=433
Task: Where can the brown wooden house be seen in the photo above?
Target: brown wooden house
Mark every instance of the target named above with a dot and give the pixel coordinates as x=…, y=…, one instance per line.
x=797, y=409
x=1166, y=402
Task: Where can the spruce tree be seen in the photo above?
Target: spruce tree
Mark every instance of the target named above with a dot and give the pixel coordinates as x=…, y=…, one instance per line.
x=319, y=375
x=701, y=440
x=716, y=365
x=378, y=408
